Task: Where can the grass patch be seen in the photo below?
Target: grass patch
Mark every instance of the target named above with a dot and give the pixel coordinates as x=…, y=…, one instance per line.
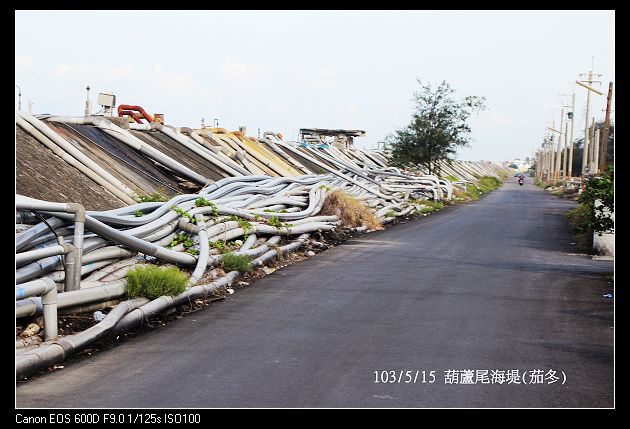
x=488, y=183
x=429, y=205
x=183, y=213
x=224, y=247
x=151, y=281
x=181, y=238
x=452, y=178
x=578, y=219
x=473, y=190
x=390, y=213
x=435, y=205
x=232, y=262
x=276, y=223
x=245, y=226
x=138, y=213
x=350, y=211
x=157, y=196
x=202, y=202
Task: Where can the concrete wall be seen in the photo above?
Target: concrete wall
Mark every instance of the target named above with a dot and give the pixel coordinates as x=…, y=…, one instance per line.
x=604, y=245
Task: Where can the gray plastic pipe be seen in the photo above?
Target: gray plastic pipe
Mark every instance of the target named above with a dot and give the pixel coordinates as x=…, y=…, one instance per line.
x=213, y=151
x=73, y=258
x=88, y=268
x=192, y=145
x=23, y=240
x=139, y=316
x=103, y=274
x=32, y=255
x=251, y=253
x=290, y=160
x=122, y=192
x=48, y=290
x=133, y=142
x=136, y=243
x=108, y=252
x=270, y=255
x=333, y=171
x=33, y=305
x=116, y=188
x=46, y=355
x=204, y=251
x=249, y=242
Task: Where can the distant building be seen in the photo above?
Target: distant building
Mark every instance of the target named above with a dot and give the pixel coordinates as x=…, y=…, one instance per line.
x=521, y=165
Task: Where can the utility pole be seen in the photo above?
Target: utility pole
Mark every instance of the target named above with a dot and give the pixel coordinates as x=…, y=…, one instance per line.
x=549, y=156
x=559, y=150
x=588, y=102
x=565, y=166
x=88, y=106
x=30, y=106
x=591, y=149
x=596, y=153
x=586, y=116
x=606, y=126
x=552, y=158
x=19, y=97
x=571, y=142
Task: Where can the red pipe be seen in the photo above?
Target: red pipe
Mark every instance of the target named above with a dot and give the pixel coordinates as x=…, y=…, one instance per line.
x=137, y=109
x=130, y=113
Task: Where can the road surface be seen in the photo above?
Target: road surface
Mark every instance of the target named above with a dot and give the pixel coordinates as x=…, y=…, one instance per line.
x=489, y=286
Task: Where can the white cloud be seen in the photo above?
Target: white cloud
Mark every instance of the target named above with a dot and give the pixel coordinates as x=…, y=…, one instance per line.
x=64, y=69
x=234, y=70
x=494, y=119
x=173, y=80
x=24, y=63
x=84, y=71
x=318, y=77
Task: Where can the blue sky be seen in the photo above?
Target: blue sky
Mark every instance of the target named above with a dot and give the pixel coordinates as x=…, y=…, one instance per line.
x=285, y=70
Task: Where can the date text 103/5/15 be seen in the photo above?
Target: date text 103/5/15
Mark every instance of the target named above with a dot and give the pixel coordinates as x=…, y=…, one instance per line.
x=402, y=376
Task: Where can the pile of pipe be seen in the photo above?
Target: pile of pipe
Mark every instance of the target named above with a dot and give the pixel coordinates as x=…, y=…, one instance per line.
x=86, y=255
x=262, y=215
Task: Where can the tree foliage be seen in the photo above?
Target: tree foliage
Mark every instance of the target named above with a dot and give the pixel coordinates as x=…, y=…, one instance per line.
x=600, y=189
x=578, y=147
x=438, y=127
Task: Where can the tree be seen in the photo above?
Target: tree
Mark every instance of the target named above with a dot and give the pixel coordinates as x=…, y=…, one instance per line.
x=578, y=147
x=438, y=127
x=601, y=190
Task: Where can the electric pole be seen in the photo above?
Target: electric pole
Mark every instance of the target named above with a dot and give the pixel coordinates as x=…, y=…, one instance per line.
x=565, y=166
x=588, y=102
x=606, y=126
x=19, y=97
x=571, y=141
x=586, y=116
x=596, y=153
x=552, y=159
x=559, y=150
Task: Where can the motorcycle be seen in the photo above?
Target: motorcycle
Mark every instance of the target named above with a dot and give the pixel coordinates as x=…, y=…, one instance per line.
x=521, y=181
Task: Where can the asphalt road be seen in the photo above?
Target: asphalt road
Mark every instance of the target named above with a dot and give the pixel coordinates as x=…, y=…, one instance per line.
x=491, y=285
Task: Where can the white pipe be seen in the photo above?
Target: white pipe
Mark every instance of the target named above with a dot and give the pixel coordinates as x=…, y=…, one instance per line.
x=33, y=255
x=73, y=258
x=204, y=251
x=108, y=252
x=193, y=146
x=48, y=289
x=133, y=142
x=73, y=151
x=33, y=305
